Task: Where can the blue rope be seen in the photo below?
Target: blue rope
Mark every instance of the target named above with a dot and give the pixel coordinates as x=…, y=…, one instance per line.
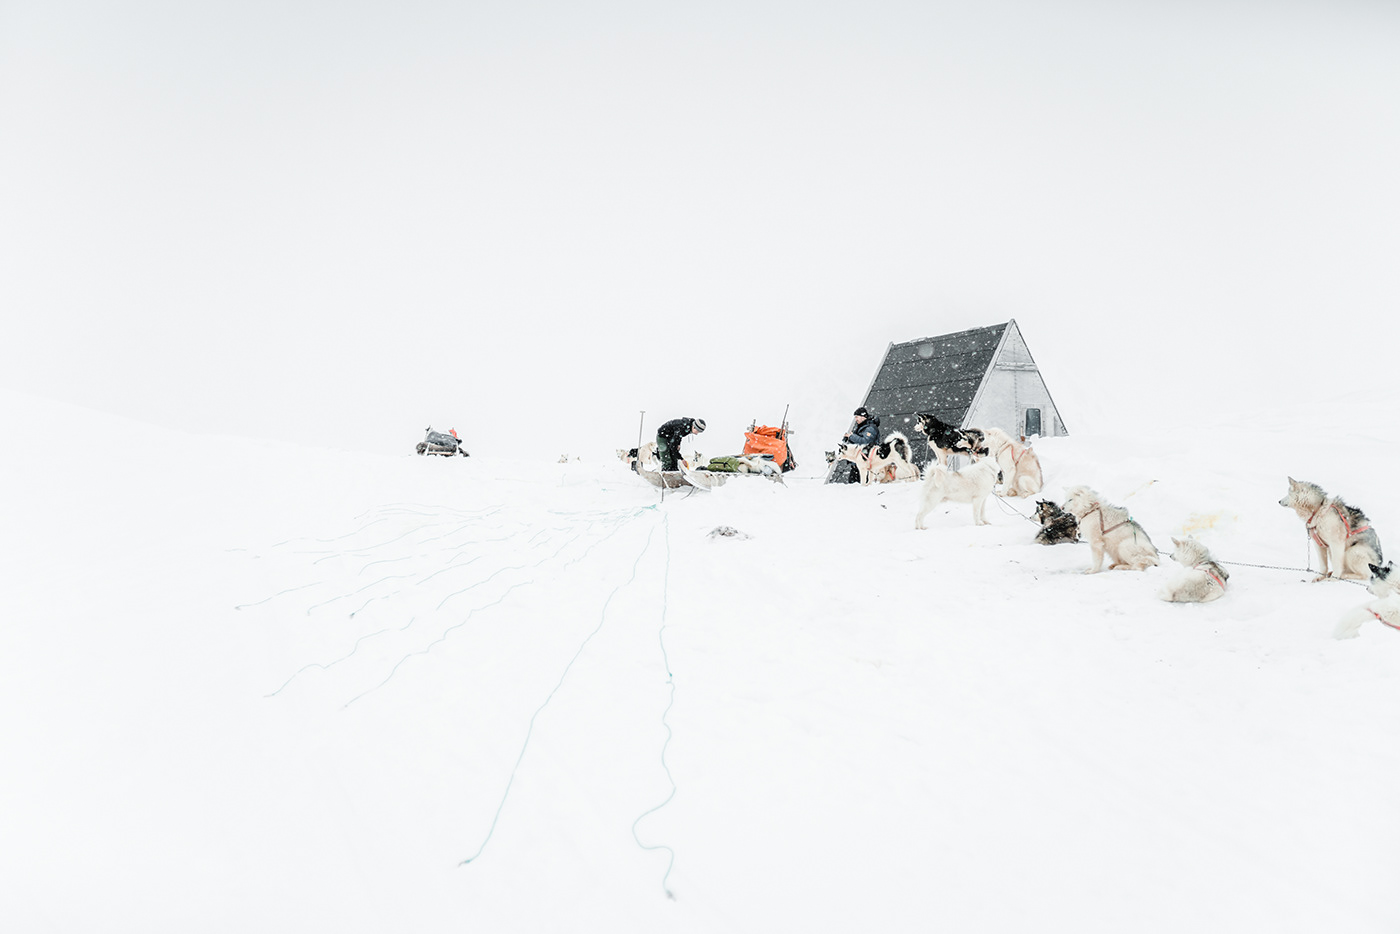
x=670, y=680
x=529, y=731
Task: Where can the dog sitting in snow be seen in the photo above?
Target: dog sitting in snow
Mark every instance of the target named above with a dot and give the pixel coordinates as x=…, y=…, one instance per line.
x=1345, y=541
x=1386, y=608
x=891, y=460
x=1204, y=579
x=1056, y=525
x=973, y=484
x=1019, y=464
x=946, y=439
x=1110, y=531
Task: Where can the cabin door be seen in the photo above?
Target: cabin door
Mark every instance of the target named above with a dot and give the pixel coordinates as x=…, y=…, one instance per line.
x=1032, y=422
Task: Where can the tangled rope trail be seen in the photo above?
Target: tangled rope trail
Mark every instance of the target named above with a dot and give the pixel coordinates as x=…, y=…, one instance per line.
x=563, y=676
x=561, y=537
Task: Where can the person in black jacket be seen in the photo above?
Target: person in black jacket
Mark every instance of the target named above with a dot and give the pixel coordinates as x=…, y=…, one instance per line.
x=669, y=437
x=864, y=433
x=866, y=430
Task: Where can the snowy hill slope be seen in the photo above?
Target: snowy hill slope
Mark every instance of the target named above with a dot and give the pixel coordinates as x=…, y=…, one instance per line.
x=256, y=686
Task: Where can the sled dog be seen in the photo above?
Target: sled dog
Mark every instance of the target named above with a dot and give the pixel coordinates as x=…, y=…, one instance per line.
x=856, y=454
x=643, y=457
x=1345, y=541
x=1386, y=609
x=1204, y=579
x=1110, y=531
x=947, y=439
x=1056, y=525
x=973, y=484
x=891, y=460
x=1019, y=464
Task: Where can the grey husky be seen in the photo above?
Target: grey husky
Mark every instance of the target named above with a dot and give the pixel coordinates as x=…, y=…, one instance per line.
x=1347, y=546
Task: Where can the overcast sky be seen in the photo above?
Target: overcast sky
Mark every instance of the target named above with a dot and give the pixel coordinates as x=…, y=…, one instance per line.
x=356, y=217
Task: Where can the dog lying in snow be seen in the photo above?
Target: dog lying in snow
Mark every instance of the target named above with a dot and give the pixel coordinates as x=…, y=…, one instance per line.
x=973, y=484
x=1386, y=608
x=1204, y=579
x=947, y=439
x=1019, y=464
x=1345, y=541
x=1056, y=525
x=1111, y=532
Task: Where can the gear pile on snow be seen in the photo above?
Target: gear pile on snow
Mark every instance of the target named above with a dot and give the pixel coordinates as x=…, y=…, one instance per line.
x=444, y=444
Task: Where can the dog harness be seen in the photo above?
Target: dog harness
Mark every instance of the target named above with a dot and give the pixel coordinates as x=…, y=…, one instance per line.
x=1312, y=524
x=1105, y=531
x=1213, y=576
x=1383, y=619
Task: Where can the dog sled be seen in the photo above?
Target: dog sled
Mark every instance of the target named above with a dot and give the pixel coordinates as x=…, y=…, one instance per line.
x=678, y=479
x=444, y=444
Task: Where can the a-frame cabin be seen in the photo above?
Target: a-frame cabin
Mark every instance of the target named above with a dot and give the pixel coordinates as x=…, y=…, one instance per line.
x=981, y=378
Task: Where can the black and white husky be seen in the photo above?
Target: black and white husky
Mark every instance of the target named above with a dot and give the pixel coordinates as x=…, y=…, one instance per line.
x=947, y=439
x=892, y=460
x=1204, y=579
x=1386, y=586
x=1345, y=541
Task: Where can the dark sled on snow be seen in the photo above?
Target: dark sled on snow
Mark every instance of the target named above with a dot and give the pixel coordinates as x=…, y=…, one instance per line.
x=444, y=444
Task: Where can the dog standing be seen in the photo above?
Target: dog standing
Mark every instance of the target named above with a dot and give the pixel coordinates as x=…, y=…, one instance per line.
x=1056, y=525
x=1204, y=579
x=1112, y=532
x=640, y=458
x=973, y=484
x=1345, y=541
x=1019, y=464
x=946, y=439
x=1386, y=608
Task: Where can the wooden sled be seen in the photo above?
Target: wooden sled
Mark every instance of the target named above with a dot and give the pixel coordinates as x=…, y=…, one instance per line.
x=676, y=479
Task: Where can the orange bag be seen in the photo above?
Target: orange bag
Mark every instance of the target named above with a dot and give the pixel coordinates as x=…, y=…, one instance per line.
x=765, y=440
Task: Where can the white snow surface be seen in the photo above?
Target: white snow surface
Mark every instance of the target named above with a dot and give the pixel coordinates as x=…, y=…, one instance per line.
x=251, y=686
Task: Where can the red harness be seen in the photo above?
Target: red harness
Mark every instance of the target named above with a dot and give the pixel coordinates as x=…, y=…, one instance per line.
x=1215, y=577
x=1382, y=619
x=1312, y=525
x=1105, y=531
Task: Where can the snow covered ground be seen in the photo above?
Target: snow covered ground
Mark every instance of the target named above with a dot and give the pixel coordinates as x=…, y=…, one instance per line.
x=249, y=686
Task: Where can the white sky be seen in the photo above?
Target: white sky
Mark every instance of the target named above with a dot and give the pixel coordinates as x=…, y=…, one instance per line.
x=259, y=218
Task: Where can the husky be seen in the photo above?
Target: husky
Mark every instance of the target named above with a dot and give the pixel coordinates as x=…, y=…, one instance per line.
x=892, y=459
x=947, y=439
x=973, y=484
x=1204, y=579
x=1056, y=525
x=856, y=454
x=1019, y=464
x=1386, y=608
x=640, y=458
x=1112, y=532
x=1345, y=541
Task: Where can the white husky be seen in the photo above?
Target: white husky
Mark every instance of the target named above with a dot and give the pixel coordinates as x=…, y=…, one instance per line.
x=1020, y=468
x=973, y=484
x=1111, y=532
x=1204, y=579
x=1386, y=609
x=1342, y=533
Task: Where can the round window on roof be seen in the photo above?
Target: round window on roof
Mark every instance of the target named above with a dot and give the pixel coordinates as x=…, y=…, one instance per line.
x=925, y=351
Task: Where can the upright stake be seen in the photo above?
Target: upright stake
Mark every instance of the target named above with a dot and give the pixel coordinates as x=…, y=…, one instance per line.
x=639, y=429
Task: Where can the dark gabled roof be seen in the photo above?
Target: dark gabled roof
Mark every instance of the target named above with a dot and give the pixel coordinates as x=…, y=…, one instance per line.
x=934, y=374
